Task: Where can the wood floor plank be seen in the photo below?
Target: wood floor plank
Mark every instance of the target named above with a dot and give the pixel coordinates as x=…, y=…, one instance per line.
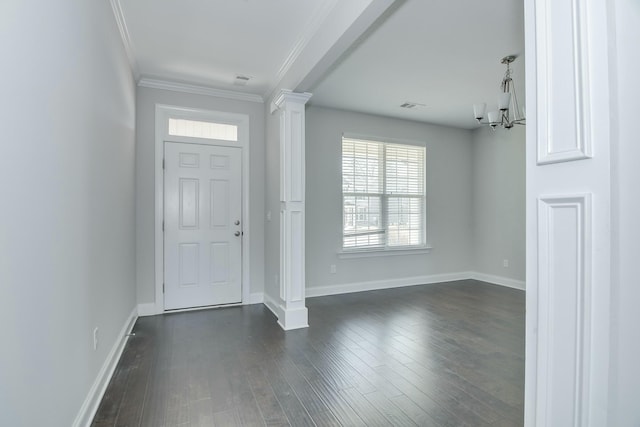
x=228, y=418
x=415, y=412
x=390, y=410
x=376, y=380
x=314, y=406
x=245, y=400
x=476, y=392
x=155, y=400
x=447, y=394
x=336, y=356
x=114, y=395
x=365, y=410
x=427, y=398
x=130, y=413
x=201, y=413
x=295, y=411
x=176, y=407
x=217, y=380
x=337, y=404
x=263, y=391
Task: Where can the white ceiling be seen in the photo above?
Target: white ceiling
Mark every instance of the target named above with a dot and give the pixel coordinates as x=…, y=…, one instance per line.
x=210, y=42
x=441, y=53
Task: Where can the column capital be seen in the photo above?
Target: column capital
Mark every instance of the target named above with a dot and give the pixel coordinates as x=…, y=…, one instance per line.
x=286, y=96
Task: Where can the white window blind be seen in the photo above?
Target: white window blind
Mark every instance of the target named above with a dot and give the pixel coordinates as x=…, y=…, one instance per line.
x=383, y=195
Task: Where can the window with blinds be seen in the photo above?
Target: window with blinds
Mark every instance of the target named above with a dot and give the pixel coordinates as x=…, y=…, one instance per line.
x=383, y=197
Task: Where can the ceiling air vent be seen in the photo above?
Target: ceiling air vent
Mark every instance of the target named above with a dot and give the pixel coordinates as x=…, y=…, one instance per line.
x=409, y=105
x=241, y=80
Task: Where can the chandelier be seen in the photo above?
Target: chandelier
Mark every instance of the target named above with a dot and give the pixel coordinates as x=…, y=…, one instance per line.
x=508, y=112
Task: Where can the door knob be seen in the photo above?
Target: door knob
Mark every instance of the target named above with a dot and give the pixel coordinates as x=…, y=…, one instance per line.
x=237, y=233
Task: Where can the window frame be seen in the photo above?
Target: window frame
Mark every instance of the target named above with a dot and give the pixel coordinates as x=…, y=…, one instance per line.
x=383, y=250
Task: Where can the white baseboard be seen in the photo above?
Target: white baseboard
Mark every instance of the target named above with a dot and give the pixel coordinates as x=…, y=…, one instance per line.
x=147, y=309
x=318, y=291
x=498, y=280
x=92, y=401
x=347, y=288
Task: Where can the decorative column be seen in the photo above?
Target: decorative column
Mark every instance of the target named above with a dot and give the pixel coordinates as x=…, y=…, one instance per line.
x=292, y=312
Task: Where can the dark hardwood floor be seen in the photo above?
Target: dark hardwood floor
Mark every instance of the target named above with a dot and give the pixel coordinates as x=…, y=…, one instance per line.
x=447, y=354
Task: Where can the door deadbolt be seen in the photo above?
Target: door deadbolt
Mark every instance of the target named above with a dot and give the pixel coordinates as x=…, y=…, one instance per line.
x=237, y=222
x=237, y=233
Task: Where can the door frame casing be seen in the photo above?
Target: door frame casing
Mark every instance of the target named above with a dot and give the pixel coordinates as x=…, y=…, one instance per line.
x=162, y=115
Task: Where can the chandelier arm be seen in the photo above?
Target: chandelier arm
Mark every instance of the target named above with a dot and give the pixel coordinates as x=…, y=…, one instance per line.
x=516, y=105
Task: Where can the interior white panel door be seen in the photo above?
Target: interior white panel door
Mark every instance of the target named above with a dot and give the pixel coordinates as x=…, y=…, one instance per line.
x=568, y=213
x=202, y=229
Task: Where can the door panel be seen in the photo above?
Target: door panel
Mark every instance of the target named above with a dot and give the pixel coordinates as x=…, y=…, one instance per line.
x=189, y=261
x=202, y=253
x=189, y=198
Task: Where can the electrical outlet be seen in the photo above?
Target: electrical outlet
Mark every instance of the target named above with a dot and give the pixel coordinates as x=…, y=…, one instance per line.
x=95, y=339
x=332, y=269
x=505, y=263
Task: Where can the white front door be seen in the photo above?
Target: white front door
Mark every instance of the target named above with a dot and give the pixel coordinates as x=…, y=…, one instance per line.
x=202, y=225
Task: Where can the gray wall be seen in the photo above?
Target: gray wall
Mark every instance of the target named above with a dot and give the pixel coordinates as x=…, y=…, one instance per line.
x=145, y=179
x=67, y=245
x=499, y=201
x=625, y=348
x=449, y=199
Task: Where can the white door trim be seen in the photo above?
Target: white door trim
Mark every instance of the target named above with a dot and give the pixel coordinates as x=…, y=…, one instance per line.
x=163, y=113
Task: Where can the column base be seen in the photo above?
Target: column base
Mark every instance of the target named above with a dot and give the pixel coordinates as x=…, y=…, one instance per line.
x=293, y=318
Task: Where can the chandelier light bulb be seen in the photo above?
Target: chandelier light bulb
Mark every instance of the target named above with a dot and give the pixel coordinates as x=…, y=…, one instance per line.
x=504, y=100
x=494, y=118
x=478, y=111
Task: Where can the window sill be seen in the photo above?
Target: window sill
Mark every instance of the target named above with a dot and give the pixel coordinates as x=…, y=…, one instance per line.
x=368, y=253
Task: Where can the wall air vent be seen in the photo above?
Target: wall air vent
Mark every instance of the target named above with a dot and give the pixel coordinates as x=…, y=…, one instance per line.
x=409, y=105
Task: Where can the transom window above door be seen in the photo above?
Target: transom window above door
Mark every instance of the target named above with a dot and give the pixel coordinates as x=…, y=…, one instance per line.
x=383, y=195
x=201, y=129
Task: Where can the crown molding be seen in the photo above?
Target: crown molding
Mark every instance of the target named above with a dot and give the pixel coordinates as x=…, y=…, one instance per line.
x=126, y=39
x=312, y=27
x=199, y=90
